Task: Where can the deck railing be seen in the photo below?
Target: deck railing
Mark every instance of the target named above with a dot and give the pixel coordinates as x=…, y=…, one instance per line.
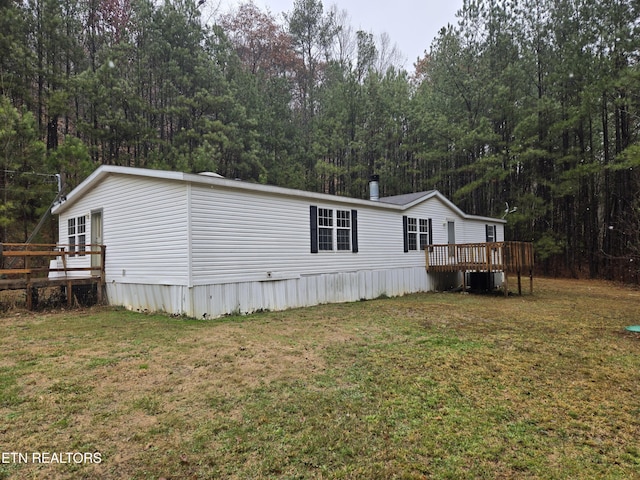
x=507, y=257
x=490, y=256
x=24, y=266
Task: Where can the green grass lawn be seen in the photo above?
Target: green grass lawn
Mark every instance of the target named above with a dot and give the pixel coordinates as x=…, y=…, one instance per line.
x=423, y=386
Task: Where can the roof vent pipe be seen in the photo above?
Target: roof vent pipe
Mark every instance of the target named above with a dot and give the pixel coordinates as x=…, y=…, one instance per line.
x=374, y=188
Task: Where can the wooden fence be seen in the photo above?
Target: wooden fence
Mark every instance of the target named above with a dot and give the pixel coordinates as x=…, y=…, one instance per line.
x=28, y=267
x=507, y=257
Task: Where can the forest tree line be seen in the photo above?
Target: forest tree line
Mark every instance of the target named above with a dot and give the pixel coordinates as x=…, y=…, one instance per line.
x=525, y=109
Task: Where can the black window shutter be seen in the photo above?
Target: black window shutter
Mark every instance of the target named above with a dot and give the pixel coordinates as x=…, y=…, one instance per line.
x=430, y=232
x=354, y=231
x=313, y=224
x=405, y=231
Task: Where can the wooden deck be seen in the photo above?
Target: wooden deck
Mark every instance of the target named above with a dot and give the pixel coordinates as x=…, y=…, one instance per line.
x=507, y=257
x=27, y=267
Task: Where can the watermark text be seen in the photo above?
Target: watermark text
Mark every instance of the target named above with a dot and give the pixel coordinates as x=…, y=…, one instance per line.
x=50, y=457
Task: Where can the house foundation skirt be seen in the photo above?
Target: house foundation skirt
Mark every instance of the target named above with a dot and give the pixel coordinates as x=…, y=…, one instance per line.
x=215, y=300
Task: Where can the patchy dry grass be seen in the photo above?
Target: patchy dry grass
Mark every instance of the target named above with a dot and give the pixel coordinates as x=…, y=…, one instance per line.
x=423, y=386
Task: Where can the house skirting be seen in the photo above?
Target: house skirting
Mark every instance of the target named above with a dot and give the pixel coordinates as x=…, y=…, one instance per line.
x=210, y=301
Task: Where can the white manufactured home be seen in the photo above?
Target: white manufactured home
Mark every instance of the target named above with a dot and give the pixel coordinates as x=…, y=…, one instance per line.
x=205, y=246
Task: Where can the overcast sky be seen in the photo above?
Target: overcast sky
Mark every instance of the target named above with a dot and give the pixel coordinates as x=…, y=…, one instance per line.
x=411, y=24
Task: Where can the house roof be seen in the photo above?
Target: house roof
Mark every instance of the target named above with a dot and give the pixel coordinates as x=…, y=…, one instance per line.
x=406, y=198
x=396, y=202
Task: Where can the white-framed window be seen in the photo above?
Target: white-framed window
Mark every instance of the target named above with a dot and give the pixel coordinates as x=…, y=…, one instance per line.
x=417, y=233
x=491, y=233
x=81, y=227
x=424, y=233
x=412, y=233
x=325, y=229
x=333, y=230
x=77, y=235
x=343, y=230
x=71, y=235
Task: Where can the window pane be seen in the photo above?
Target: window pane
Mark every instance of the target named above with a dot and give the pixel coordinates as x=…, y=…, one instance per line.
x=325, y=239
x=424, y=233
x=412, y=225
x=81, y=245
x=424, y=241
x=71, y=226
x=344, y=219
x=413, y=241
x=491, y=233
x=82, y=225
x=325, y=217
x=344, y=239
x=72, y=245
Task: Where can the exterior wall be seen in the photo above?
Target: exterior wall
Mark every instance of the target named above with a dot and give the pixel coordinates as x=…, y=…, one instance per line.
x=257, y=236
x=468, y=230
x=145, y=225
x=475, y=231
x=251, y=251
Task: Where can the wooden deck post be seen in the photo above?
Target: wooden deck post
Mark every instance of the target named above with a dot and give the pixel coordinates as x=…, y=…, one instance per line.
x=531, y=281
x=27, y=266
x=101, y=280
x=29, y=297
x=69, y=294
x=506, y=283
x=426, y=256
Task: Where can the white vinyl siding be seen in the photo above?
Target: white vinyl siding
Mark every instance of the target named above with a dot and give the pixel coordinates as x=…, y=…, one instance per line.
x=467, y=230
x=239, y=235
x=145, y=225
x=242, y=236
x=476, y=231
